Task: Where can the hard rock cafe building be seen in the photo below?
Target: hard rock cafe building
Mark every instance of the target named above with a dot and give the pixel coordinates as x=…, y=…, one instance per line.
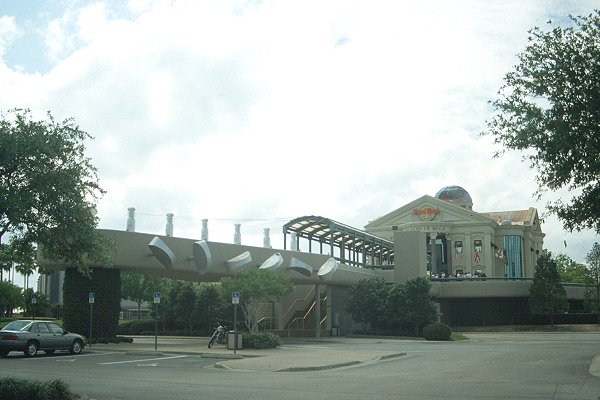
x=480, y=263
x=443, y=237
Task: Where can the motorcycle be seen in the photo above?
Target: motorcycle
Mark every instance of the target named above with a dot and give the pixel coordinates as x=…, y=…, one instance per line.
x=219, y=336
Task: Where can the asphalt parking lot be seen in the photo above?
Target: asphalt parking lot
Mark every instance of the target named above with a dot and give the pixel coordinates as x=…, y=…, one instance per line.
x=490, y=366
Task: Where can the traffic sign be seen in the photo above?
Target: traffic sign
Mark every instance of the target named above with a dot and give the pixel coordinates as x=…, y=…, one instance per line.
x=156, y=297
x=235, y=297
x=92, y=297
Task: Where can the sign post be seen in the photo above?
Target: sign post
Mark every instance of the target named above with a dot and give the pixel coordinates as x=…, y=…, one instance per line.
x=156, y=303
x=91, y=299
x=33, y=302
x=235, y=300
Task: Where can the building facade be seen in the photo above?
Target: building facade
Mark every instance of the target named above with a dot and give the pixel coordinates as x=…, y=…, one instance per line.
x=443, y=236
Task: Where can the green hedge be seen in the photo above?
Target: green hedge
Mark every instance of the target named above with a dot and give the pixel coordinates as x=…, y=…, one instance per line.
x=18, y=389
x=437, y=331
x=106, y=284
x=260, y=340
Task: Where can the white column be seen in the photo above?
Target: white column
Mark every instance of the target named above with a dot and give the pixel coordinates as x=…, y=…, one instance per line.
x=293, y=241
x=169, y=227
x=204, y=232
x=266, y=238
x=131, y=219
x=237, y=235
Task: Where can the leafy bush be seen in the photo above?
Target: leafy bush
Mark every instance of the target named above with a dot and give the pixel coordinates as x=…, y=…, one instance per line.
x=261, y=340
x=437, y=331
x=17, y=388
x=136, y=327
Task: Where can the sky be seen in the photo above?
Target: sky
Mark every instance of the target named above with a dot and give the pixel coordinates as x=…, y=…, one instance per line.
x=258, y=112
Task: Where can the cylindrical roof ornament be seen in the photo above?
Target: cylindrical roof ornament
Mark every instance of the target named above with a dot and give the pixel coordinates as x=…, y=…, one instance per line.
x=204, y=233
x=237, y=235
x=169, y=227
x=131, y=219
x=266, y=238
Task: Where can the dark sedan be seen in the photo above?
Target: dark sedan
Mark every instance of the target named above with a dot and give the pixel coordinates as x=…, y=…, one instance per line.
x=30, y=336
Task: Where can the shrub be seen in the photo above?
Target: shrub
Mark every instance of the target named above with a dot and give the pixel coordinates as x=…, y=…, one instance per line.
x=17, y=388
x=261, y=340
x=437, y=331
x=136, y=327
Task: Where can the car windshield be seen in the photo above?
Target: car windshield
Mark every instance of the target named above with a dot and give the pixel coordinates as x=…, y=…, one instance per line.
x=16, y=325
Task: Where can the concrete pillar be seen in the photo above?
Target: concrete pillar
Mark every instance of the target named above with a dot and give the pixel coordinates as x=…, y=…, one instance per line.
x=266, y=238
x=131, y=219
x=433, y=248
x=317, y=310
x=468, y=253
x=204, y=232
x=169, y=227
x=331, y=319
x=237, y=235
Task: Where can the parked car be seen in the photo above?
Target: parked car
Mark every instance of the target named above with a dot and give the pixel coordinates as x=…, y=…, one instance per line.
x=29, y=336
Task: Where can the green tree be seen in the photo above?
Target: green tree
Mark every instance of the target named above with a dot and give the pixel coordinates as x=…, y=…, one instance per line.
x=546, y=295
x=11, y=297
x=186, y=300
x=257, y=289
x=40, y=308
x=549, y=107
x=139, y=288
x=396, y=309
x=593, y=281
x=367, y=302
x=211, y=307
x=569, y=270
x=48, y=189
x=420, y=307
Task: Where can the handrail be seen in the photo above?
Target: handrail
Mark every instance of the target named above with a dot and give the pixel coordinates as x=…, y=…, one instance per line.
x=292, y=306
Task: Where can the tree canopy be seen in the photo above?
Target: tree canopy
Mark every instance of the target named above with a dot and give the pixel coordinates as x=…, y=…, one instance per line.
x=139, y=288
x=257, y=287
x=367, y=302
x=592, y=302
x=569, y=270
x=48, y=189
x=549, y=107
x=546, y=294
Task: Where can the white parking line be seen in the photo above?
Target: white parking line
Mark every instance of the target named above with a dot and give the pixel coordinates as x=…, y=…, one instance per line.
x=146, y=359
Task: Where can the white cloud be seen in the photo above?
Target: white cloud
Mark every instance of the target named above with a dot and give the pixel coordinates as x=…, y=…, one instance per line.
x=8, y=32
x=257, y=111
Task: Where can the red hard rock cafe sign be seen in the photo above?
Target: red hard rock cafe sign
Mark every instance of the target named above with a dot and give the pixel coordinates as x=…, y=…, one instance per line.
x=426, y=213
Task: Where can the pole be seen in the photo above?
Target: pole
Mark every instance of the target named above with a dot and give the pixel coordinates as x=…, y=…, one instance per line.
x=91, y=311
x=155, y=326
x=235, y=338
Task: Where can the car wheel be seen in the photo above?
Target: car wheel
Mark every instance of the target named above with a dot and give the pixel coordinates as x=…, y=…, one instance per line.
x=76, y=347
x=31, y=349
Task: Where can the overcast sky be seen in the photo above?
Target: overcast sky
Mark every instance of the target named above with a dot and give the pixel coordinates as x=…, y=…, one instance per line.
x=258, y=112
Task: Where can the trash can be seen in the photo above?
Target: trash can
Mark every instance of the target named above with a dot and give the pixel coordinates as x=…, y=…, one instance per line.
x=231, y=340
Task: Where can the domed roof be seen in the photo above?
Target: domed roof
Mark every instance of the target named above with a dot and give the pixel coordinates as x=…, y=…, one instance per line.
x=455, y=195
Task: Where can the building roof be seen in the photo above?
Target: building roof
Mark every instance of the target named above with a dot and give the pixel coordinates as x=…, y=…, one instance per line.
x=332, y=232
x=517, y=217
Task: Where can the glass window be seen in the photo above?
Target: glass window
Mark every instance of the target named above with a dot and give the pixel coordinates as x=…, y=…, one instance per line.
x=42, y=327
